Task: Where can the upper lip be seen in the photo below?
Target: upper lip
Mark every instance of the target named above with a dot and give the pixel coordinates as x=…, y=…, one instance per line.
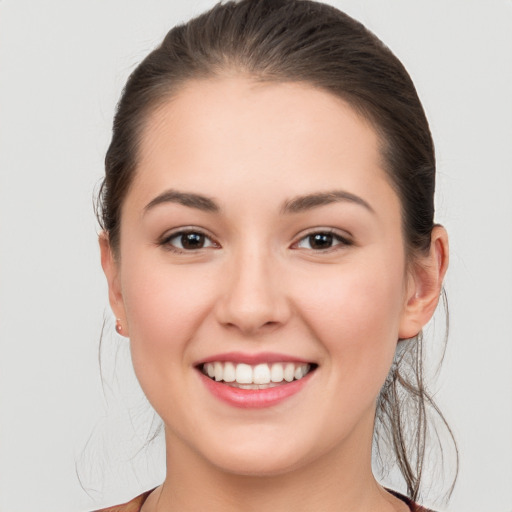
x=252, y=359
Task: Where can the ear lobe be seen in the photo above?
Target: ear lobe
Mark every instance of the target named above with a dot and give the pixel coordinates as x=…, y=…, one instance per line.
x=111, y=270
x=425, y=285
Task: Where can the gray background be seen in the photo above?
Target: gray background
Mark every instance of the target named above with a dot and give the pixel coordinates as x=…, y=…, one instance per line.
x=62, y=66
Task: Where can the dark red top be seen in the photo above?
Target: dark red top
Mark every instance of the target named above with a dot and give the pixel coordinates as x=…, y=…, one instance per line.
x=136, y=504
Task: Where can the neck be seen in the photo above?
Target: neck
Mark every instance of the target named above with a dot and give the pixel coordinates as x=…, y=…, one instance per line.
x=339, y=480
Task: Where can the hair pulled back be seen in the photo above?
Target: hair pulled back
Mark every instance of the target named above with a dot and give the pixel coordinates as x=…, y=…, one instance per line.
x=313, y=43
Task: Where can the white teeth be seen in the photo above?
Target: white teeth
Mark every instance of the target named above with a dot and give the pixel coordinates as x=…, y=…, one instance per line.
x=277, y=373
x=255, y=377
x=261, y=374
x=289, y=372
x=243, y=374
x=229, y=372
x=218, y=371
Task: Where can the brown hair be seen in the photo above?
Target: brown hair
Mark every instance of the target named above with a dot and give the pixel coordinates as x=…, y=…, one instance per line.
x=313, y=43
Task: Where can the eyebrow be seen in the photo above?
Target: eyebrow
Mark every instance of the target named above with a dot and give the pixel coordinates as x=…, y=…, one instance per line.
x=310, y=201
x=191, y=200
x=296, y=205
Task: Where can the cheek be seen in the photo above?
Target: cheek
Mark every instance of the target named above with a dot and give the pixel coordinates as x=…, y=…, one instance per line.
x=356, y=313
x=164, y=307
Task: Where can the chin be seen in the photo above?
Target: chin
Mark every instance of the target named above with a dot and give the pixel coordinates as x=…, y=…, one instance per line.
x=258, y=458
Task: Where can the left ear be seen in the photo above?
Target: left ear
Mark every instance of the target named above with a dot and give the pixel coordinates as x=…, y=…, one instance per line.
x=424, y=285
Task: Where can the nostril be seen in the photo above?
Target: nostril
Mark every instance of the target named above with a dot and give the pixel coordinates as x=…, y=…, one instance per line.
x=250, y=327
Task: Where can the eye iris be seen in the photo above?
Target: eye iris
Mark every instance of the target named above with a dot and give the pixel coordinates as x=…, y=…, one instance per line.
x=320, y=240
x=192, y=240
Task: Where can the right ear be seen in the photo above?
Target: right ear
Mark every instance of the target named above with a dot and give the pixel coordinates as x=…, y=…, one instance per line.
x=111, y=269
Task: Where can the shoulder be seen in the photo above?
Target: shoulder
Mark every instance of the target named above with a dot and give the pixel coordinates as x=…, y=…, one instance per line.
x=133, y=505
x=414, y=507
x=418, y=508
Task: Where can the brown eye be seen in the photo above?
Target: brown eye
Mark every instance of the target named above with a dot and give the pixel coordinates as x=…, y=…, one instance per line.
x=188, y=241
x=192, y=240
x=322, y=240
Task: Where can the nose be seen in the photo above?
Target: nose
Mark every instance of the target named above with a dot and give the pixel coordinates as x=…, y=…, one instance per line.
x=254, y=298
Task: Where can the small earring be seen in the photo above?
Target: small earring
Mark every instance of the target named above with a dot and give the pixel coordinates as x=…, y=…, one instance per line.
x=119, y=327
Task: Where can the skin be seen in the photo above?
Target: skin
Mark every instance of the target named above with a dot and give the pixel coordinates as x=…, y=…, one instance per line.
x=258, y=285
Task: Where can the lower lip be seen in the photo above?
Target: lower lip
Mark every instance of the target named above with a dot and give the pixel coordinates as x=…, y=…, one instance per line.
x=254, y=398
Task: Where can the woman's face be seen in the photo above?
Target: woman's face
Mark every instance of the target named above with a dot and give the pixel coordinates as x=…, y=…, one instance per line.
x=261, y=238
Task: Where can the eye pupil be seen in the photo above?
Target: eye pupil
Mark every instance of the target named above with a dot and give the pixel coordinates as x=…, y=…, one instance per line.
x=192, y=240
x=320, y=240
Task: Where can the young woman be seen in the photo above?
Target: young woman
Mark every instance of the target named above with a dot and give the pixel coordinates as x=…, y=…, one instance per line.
x=271, y=253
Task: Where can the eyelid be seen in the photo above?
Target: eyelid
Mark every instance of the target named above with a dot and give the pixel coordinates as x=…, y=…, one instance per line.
x=344, y=238
x=165, y=239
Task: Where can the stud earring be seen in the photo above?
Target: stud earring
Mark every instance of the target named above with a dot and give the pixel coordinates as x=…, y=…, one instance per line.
x=119, y=327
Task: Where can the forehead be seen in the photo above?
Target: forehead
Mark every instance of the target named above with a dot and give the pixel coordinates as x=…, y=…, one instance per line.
x=239, y=135
x=249, y=110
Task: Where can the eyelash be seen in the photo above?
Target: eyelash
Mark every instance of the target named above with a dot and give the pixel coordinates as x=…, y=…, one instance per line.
x=166, y=241
x=341, y=240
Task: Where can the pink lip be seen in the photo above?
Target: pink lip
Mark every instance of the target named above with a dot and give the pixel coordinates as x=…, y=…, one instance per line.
x=253, y=398
x=252, y=359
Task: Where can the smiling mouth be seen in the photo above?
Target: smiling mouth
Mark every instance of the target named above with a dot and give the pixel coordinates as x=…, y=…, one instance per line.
x=259, y=376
